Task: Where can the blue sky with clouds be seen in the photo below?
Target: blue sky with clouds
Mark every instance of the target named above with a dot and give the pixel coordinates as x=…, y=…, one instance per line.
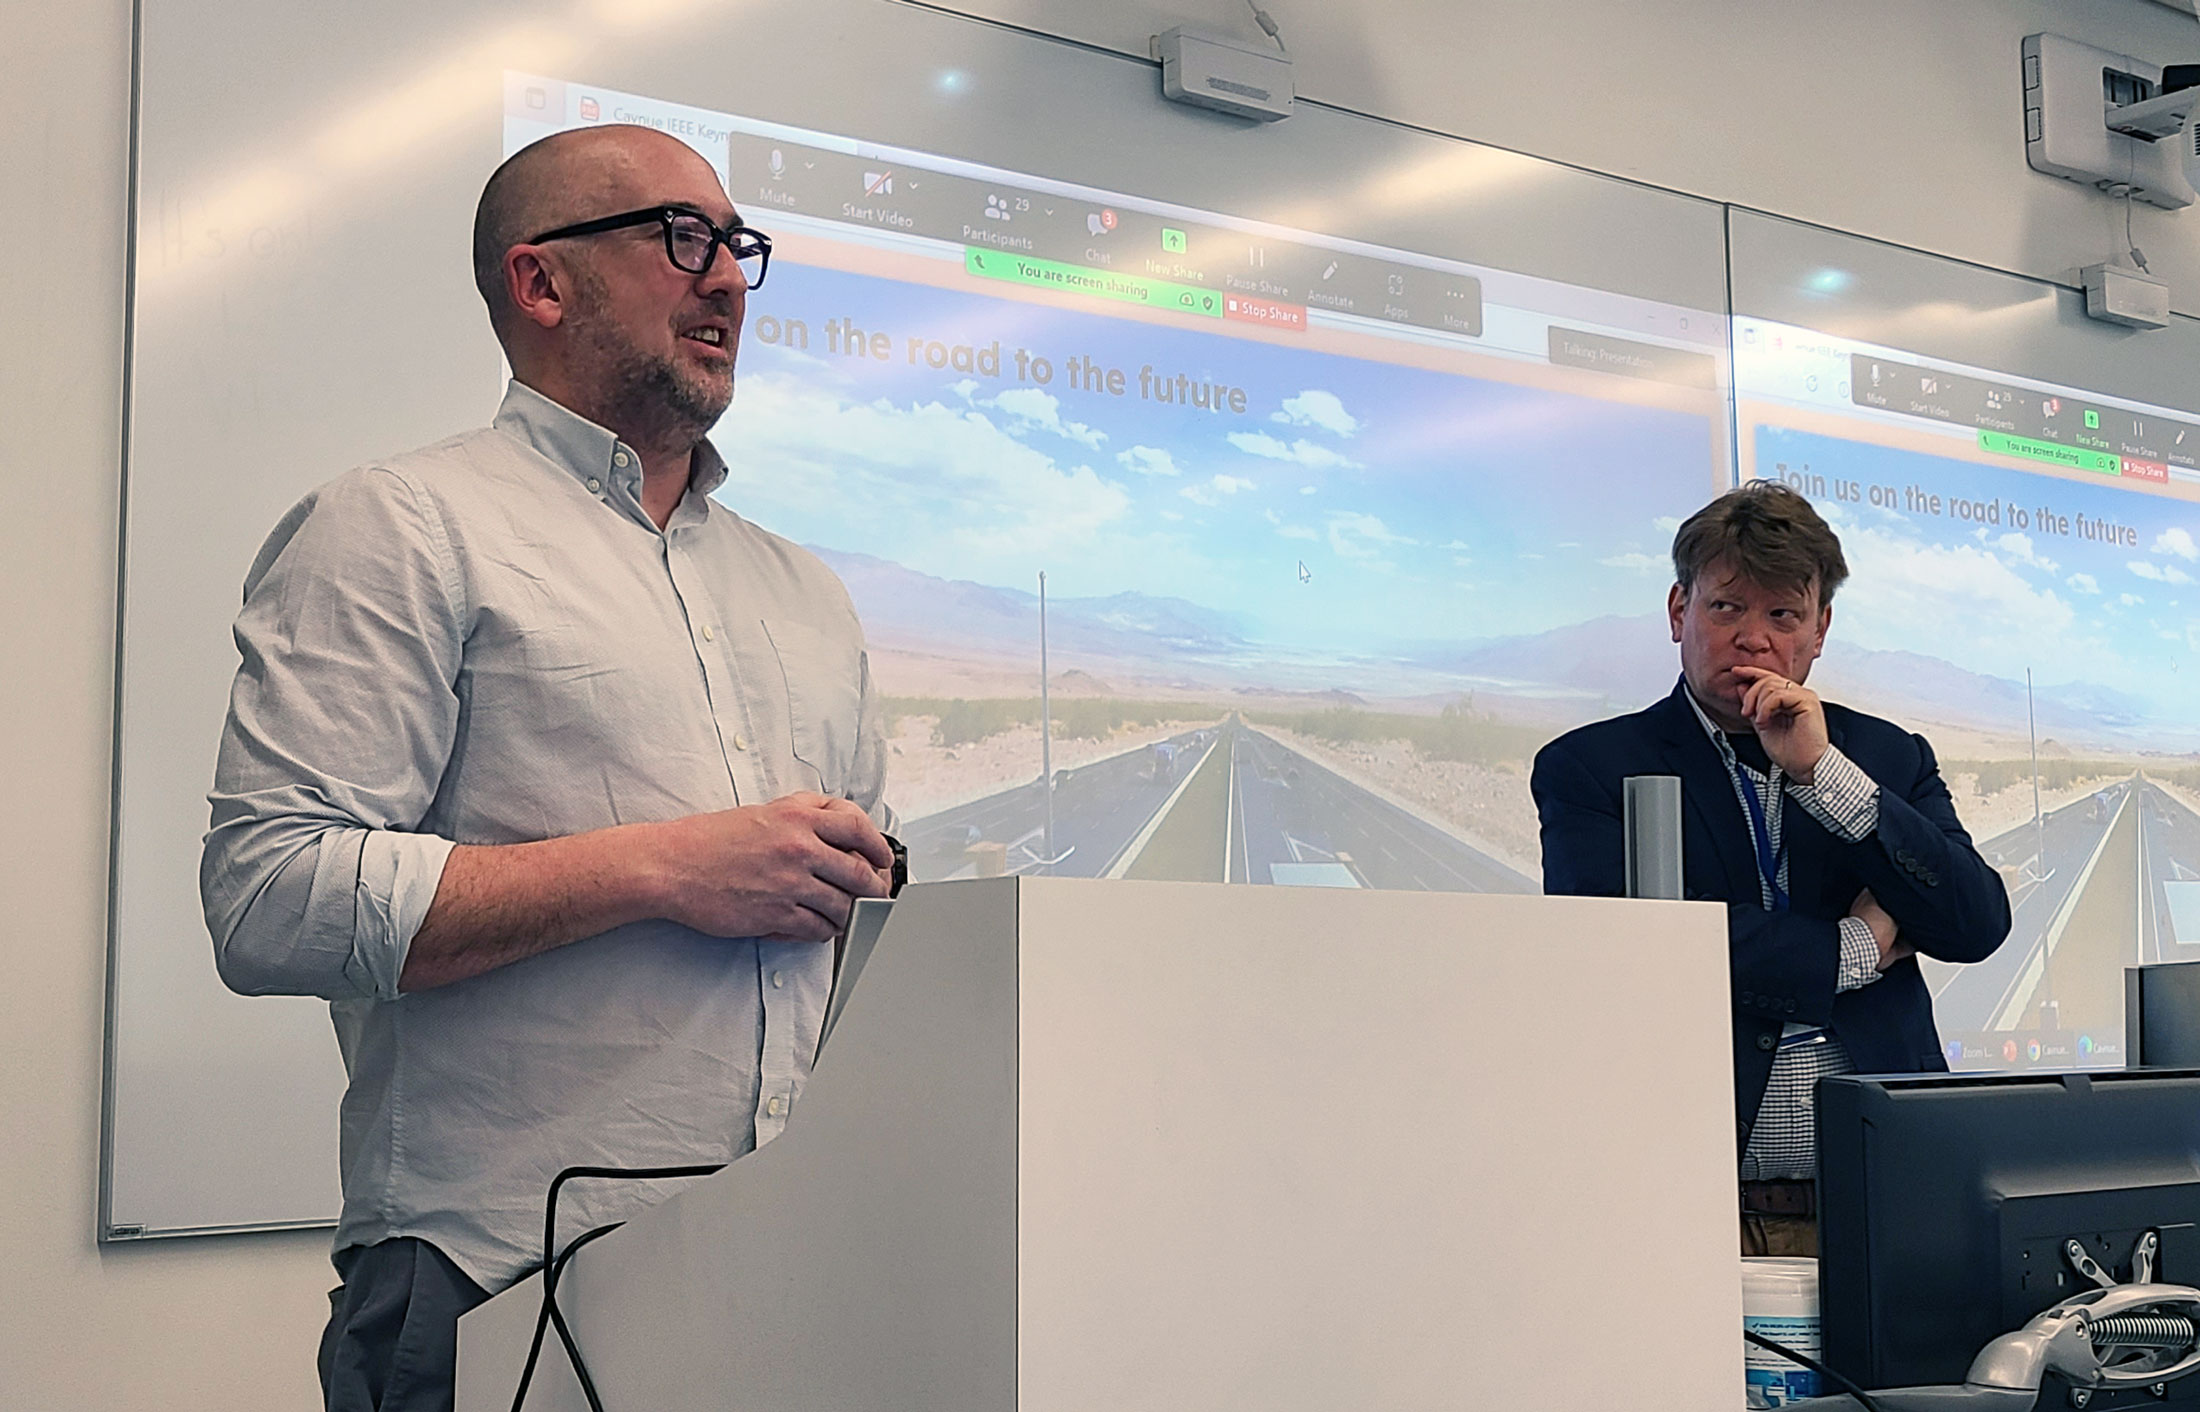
x=1997, y=599
x=1426, y=507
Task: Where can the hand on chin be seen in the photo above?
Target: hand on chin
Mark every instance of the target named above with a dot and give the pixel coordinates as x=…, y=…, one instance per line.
x=1789, y=719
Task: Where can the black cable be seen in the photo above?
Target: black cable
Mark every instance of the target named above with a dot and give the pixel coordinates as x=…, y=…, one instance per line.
x=549, y=1311
x=557, y=1318
x=550, y=1316
x=1864, y=1398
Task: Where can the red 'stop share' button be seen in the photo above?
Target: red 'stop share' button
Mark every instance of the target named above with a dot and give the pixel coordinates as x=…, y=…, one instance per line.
x=2146, y=470
x=1264, y=311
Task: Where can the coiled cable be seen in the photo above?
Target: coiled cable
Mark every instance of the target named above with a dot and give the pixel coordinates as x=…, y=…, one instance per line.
x=2144, y=1331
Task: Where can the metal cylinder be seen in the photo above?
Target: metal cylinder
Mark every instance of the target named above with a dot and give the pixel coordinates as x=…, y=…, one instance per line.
x=1653, y=833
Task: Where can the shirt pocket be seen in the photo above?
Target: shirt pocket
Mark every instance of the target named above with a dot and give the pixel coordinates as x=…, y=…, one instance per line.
x=823, y=676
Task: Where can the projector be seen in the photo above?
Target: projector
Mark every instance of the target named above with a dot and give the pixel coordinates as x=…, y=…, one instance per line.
x=1226, y=75
x=2155, y=118
x=2188, y=149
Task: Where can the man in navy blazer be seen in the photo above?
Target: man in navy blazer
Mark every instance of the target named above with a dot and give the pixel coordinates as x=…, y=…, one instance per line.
x=1828, y=833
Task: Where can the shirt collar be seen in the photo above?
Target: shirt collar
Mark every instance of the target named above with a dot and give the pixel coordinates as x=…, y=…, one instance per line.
x=1719, y=740
x=594, y=455
x=1710, y=726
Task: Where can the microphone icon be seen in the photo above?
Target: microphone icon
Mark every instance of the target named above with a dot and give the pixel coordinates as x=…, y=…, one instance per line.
x=778, y=164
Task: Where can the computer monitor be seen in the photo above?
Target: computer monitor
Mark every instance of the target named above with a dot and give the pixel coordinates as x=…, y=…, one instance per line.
x=2162, y=1015
x=1945, y=1201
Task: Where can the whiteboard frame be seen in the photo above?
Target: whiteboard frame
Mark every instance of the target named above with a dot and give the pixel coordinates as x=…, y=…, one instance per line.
x=1693, y=276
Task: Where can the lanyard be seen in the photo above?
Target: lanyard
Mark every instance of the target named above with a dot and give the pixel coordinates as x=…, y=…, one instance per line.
x=1768, y=857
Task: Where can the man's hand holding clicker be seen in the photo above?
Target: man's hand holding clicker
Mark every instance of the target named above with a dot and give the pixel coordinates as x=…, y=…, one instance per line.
x=789, y=870
x=1789, y=719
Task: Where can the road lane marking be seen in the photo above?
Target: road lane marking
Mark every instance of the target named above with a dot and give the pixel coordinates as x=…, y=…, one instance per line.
x=2018, y=998
x=1230, y=809
x=1123, y=861
x=1365, y=795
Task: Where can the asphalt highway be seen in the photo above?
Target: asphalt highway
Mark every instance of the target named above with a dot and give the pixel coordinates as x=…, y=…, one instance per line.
x=1291, y=811
x=2095, y=899
x=1219, y=801
x=2042, y=865
x=1098, y=809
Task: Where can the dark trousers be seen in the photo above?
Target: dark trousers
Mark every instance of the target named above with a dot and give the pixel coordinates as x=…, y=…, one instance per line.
x=1780, y=1218
x=392, y=1339
x=1779, y=1235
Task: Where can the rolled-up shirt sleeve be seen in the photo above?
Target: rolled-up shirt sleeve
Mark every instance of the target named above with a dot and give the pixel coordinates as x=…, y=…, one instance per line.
x=314, y=875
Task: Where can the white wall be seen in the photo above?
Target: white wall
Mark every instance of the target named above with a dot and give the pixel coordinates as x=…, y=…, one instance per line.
x=1897, y=119
x=1893, y=118
x=220, y=1325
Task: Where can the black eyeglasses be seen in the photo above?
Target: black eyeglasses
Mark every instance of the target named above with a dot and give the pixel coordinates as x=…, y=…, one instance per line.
x=691, y=239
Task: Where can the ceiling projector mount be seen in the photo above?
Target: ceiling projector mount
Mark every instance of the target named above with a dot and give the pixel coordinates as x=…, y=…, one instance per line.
x=2111, y=121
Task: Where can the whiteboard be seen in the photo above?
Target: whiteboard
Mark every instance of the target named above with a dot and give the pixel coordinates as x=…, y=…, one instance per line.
x=302, y=302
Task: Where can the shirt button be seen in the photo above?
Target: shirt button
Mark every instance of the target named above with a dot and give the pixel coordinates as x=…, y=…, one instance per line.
x=620, y=459
x=595, y=487
x=740, y=743
x=776, y=1107
x=708, y=635
x=779, y=980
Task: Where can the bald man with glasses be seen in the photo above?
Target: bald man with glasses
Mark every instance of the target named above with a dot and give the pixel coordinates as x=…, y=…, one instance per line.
x=550, y=773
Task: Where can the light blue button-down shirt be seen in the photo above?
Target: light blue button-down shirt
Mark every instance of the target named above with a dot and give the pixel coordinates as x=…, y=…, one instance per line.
x=487, y=641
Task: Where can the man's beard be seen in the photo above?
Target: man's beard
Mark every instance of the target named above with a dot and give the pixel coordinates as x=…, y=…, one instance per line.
x=646, y=397
x=657, y=400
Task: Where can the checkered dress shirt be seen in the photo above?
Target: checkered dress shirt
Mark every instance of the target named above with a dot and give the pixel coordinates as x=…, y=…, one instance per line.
x=1784, y=1141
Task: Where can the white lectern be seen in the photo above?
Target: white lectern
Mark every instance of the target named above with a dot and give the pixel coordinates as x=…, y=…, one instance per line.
x=1147, y=1147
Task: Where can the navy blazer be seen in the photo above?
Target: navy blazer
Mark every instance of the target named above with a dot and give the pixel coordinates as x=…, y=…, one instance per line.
x=1947, y=901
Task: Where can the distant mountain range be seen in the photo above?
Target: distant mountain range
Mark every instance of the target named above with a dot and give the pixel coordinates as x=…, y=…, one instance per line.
x=1613, y=663
x=1631, y=661
x=903, y=607
x=1627, y=660
x=1910, y=684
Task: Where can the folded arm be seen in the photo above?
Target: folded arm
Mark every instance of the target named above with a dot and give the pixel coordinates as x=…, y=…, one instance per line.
x=1916, y=859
